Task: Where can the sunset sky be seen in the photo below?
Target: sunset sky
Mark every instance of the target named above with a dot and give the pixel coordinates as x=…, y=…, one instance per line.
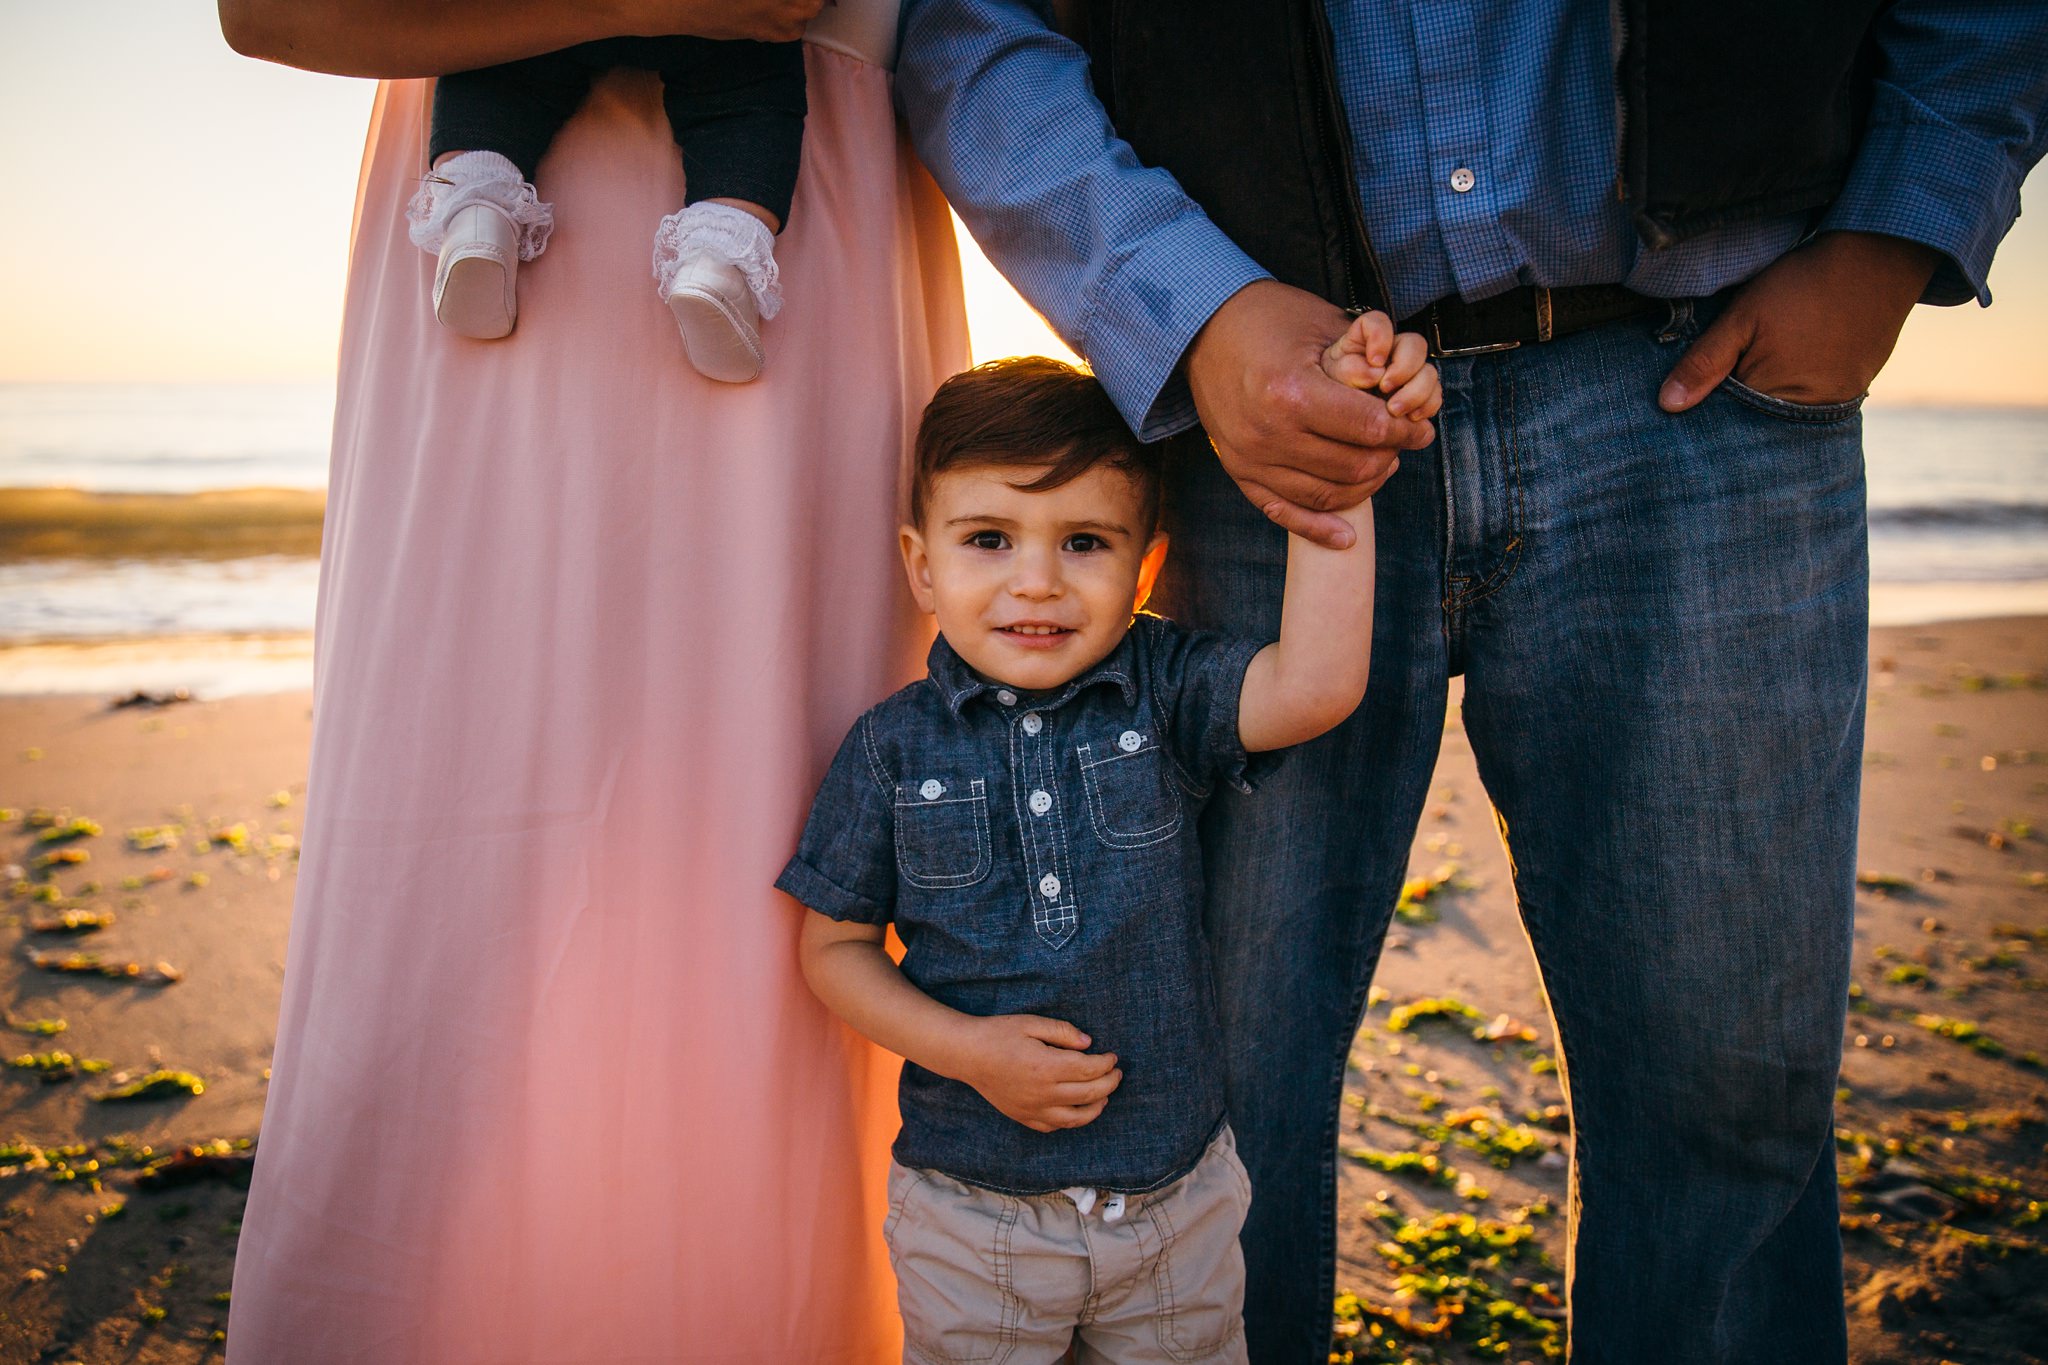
x=177, y=212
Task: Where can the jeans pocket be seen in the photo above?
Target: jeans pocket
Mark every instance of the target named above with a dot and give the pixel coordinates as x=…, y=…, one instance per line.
x=942, y=835
x=1130, y=801
x=1786, y=408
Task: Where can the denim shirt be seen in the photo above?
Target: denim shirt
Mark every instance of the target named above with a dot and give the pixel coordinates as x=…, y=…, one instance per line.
x=1037, y=854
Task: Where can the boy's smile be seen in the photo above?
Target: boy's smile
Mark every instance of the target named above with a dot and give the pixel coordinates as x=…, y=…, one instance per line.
x=1032, y=589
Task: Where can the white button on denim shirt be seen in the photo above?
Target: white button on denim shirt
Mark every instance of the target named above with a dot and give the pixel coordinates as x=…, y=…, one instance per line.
x=1036, y=852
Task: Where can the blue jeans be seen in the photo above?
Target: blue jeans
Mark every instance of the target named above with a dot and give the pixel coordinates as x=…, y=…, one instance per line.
x=1662, y=625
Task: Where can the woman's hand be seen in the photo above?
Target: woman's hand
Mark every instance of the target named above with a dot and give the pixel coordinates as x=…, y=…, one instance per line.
x=393, y=39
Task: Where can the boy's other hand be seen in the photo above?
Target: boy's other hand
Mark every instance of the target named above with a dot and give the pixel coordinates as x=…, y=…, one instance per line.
x=1036, y=1071
x=1371, y=355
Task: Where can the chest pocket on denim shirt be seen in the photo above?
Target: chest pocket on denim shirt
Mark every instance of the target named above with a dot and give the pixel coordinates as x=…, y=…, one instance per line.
x=942, y=831
x=1130, y=798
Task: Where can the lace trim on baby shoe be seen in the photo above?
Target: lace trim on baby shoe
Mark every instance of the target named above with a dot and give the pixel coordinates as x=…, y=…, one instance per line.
x=726, y=232
x=478, y=178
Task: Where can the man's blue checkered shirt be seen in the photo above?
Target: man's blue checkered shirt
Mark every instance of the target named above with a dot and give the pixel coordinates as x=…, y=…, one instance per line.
x=1485, y=133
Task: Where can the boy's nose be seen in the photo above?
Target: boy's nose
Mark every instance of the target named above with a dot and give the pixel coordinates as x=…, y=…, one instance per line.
x=1037, y=577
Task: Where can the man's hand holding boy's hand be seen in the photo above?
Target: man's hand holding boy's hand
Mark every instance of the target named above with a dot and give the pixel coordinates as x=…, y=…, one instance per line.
x=1035, y=1071
x=1372, y=356
x=1298, y=445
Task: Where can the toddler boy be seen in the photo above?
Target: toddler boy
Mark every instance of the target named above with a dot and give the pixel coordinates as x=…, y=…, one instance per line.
x=1026, y=818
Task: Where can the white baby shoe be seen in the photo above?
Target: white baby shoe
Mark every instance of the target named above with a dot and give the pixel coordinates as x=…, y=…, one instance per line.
x=480, y=217
x=476, y=282
x=715, y=266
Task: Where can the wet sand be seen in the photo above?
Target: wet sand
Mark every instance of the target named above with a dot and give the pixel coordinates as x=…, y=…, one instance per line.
x=223, y=523
x=1942, y=1131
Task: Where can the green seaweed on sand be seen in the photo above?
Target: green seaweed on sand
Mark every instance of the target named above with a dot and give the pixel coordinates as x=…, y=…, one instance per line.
x=1908, y=974
x=1454, y=1283
x=1427, y=1167
x=1477, y=1129
x=1413, y=905
x=58, y=1065
x=151, y=838
x=41, y=1028
x=73, y=922
x=66, y=855
x=49, y=1066
x=78, y=827
x=1891, y=883
x=1973, y=1037
x=220, y=1159
x=156, y=1085
x=92, y=964
x=1403, y=1017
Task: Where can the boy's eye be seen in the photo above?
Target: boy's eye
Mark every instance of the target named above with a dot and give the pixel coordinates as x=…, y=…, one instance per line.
x=988, y=540
x=1083, y=542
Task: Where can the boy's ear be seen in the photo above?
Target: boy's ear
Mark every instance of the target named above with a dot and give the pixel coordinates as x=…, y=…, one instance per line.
x=917, y=566
x=1148, y=569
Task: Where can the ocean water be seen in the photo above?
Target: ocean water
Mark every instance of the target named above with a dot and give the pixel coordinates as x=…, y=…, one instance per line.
x=1958, y=518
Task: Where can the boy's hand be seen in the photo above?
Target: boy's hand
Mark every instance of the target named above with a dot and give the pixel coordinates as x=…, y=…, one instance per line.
x=1034, y=1070
x=1372, y=356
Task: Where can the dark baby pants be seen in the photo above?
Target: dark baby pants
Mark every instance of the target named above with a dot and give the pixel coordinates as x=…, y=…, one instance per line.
x=736, y=108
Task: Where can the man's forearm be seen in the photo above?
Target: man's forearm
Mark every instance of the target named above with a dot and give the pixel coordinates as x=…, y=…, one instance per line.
x=1124, y=266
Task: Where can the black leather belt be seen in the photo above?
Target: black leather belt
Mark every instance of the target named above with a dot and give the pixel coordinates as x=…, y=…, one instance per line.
x=1530, y=313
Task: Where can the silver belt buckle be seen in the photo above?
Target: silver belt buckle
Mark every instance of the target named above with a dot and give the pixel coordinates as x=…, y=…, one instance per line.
x=1436, y=332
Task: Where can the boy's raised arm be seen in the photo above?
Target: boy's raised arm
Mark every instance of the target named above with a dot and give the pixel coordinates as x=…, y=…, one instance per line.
x=1313, y=677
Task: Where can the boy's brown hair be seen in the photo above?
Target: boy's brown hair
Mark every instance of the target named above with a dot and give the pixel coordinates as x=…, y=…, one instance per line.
x=1033, y=412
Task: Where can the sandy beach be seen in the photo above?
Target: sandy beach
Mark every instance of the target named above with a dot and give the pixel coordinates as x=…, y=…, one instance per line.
x=118, y=1217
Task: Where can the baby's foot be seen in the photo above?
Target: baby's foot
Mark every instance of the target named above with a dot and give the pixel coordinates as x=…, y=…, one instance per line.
x=481, y=218
x=476, y=282
x=715, y=265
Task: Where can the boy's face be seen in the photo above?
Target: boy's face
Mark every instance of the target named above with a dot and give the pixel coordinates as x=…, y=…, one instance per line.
x=1032, y=589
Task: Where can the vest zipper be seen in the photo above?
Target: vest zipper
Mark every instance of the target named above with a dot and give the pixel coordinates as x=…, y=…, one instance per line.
x=1617, y=15
x=1333, y=123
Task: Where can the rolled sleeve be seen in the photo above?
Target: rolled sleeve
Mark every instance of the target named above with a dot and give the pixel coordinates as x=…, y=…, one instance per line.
x=1197, y=678
x=1956, y=121
x=845, y=863
x=1122, y=264
x=1923, y=179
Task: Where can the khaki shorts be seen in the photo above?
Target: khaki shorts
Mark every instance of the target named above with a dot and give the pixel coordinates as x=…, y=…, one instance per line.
x=1002, y=1279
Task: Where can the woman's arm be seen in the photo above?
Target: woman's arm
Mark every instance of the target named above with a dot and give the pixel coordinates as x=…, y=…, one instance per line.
x=398, y=38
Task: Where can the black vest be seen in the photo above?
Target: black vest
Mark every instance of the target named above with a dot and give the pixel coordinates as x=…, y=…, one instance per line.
x=1729, y=112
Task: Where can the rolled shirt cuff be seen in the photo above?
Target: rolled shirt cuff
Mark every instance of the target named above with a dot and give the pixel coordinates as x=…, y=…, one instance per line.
x=1145, y=311
x=1922, y=178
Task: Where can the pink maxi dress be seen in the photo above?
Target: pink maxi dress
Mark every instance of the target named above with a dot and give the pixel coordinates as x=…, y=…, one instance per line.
x=548, y=1085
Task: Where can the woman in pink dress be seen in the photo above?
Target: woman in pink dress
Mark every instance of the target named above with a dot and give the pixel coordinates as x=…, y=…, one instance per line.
x=547, y=1085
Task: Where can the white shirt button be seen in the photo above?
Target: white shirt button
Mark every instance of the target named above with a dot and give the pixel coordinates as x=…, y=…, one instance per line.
x=1033, y=722
x=1129, y=741
x=1049, y=886
x=1007, y=697
x=1462, y=179
x=932, y=789
x=1041, y=802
